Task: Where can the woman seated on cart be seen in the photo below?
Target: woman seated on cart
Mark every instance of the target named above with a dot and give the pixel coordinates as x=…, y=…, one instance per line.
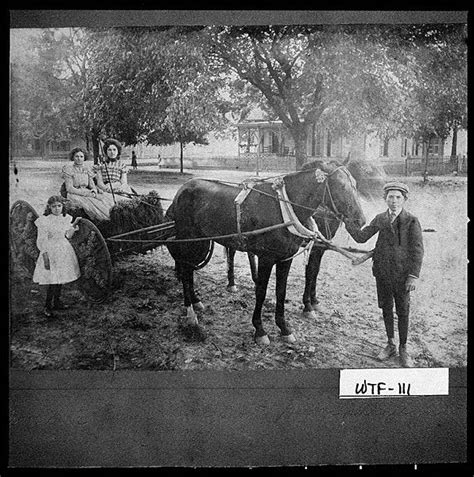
x=81, y=190
x=112, y=172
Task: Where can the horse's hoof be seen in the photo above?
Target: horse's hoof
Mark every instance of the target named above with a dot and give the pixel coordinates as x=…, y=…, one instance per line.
x=198, y=306
x=262, y=340
x=191, y=318
x=232, y=289
x=310, y=315
x=289, y=338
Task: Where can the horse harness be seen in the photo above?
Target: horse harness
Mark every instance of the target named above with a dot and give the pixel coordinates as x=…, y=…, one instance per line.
x=286, y=206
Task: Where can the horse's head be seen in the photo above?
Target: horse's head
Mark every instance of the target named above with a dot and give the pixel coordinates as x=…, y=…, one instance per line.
x=340, y=194
x=369, y=177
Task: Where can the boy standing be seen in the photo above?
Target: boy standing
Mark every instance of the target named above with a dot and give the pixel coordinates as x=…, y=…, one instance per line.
x=397, y=260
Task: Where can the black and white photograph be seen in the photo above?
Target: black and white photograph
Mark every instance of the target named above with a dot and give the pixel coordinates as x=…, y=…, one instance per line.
x=249, y=201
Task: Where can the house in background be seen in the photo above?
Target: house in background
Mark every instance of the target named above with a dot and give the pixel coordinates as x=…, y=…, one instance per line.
x=270, y=144
x=262, y=145
x=43, y=148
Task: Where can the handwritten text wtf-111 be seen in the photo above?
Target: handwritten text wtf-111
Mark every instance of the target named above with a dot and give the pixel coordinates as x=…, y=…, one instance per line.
x=381, y=388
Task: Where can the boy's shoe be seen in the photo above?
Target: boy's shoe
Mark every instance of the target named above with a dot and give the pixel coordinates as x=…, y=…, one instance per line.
x=48, y=313
x=405, y=360
x=60, y=306
x=389, y=351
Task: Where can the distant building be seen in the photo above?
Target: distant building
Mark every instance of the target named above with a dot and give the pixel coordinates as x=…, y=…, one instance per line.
x=270, y=142
x=259, y=144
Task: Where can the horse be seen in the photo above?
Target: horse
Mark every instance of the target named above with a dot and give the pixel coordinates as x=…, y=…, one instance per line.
x=204, y=212
x=370, y=180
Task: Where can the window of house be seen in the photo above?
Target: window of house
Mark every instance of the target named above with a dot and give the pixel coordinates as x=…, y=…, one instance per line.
x=328, y=145
x=384, y=147
x=248, y=140
x=416, y=148
x=435, y=147
x=274, y=143
x=318, y=142
x=404, y=151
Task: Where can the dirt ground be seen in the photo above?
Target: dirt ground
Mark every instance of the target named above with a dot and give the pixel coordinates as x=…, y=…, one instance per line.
x=141, y=324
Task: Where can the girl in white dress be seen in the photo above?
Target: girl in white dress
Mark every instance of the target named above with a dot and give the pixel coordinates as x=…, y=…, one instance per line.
x=57, y=262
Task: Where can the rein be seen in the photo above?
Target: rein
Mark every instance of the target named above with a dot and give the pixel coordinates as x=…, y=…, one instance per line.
x=281, y=177
x=312, y=235
x=327, y=190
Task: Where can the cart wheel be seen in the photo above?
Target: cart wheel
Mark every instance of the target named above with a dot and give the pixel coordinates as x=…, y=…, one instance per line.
x=94, y=261
x=23, y=233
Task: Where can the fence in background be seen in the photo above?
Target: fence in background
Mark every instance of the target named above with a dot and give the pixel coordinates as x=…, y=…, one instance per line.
x=437, y=166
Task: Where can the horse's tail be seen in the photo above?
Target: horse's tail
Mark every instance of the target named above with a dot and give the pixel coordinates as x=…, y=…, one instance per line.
x=169, y=216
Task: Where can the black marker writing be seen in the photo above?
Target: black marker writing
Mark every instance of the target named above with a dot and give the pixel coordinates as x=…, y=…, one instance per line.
x=376, y=389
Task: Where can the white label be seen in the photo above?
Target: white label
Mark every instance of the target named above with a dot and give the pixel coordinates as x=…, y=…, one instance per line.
x=393, y=382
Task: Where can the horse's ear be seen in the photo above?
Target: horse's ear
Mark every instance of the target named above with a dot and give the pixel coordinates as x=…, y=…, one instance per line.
x=320, y=175
x=348, y=159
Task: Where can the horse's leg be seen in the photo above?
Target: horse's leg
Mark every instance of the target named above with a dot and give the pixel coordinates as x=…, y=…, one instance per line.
x=310, y=300
x=253, y=265
x=195, y=300
x=264, y=270
x=282, y=270
x=187, y=277
x=230, y=254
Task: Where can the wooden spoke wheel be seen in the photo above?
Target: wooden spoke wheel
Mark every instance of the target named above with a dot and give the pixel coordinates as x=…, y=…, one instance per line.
x=94, y=261
x=23, y=234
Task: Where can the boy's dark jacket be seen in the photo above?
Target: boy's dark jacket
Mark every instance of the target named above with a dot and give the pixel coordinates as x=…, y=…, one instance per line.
x=399, y=248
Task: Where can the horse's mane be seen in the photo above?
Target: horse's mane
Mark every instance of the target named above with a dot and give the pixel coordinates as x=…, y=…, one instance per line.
x=325, y=165
x=369, y=177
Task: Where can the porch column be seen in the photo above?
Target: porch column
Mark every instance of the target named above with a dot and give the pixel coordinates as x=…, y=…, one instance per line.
x=239, y=137
x=258, y=150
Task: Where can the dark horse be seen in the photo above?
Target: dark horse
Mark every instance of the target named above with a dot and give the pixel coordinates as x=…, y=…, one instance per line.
x=205, y=210
x=370, y=180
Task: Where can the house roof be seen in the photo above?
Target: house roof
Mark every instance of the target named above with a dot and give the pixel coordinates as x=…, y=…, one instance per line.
x=259, y=122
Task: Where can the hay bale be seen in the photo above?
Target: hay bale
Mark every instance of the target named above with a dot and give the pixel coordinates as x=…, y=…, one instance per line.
x=138, y=213
x=126, y=216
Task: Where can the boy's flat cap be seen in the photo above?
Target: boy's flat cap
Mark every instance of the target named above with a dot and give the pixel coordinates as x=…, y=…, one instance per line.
x=396, y=186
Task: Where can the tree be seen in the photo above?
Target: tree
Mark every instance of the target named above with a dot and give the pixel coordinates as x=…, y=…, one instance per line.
x=153, y=85
x=50, y=81
x=196, y=104
x=126, y=97
x=441, y=95
x=351, y=77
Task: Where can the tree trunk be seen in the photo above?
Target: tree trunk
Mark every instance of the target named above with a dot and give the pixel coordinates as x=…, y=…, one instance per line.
x=181, y=157
x=454, y=146
x=299, y=136
x=425, y=172
x=454, y=151
x=95, y=147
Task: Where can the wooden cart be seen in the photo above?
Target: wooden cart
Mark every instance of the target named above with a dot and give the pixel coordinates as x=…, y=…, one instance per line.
x=95, y=255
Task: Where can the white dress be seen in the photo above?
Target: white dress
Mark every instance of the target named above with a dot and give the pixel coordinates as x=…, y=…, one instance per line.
x=64, y=267
x=98, y=207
